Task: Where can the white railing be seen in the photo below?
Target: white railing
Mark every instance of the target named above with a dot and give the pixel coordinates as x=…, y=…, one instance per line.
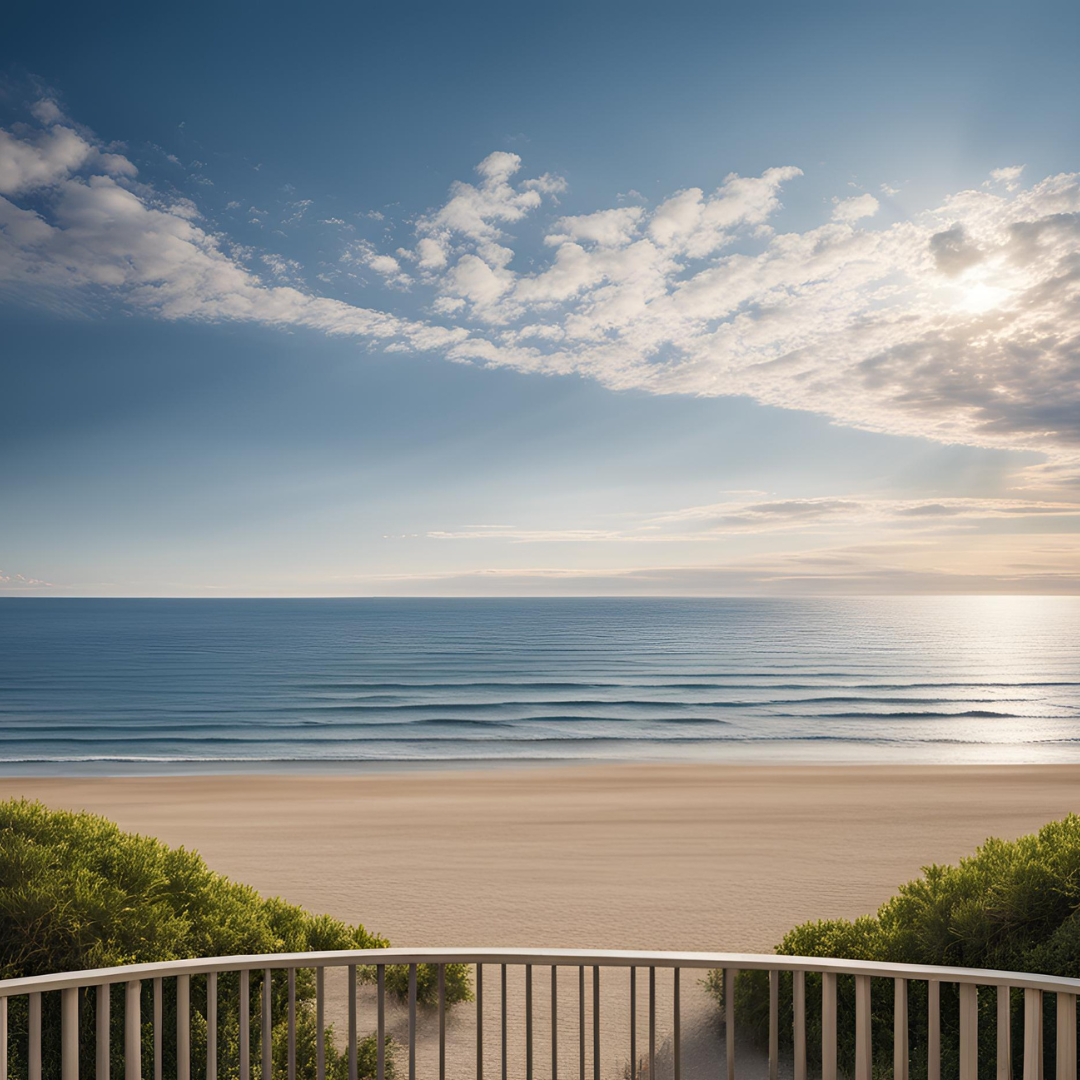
x=133, y=976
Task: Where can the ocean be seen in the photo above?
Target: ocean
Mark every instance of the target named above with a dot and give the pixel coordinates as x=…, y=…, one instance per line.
x=111, y=687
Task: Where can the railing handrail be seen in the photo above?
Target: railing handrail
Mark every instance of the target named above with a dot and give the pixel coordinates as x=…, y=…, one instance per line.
x=553, y=957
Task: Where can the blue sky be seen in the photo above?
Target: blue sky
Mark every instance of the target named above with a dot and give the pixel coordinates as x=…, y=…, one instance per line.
x=583, y=299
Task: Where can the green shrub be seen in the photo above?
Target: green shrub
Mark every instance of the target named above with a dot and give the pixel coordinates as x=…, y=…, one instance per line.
x=76, y=892
x=1013, y=906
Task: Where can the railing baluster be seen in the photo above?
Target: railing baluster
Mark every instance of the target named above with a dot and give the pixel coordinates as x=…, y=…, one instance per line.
x=132, y=1031
x=652, y=1023
x=633, y=1024
x=33, y=1053
x=969, y=1031
x=352, y=1023
x=729, y=1019
x=101, y=1026
x=159, y=1032
x=798, y=1025
x=442, y=1022
x=479, y=1023
x=528, y=1023
x=828, y=1026
x=900, y=1030
x=862, y=1027
x=412, y=1020
x=554, y=1022
x=933, y=1037
x=504, y=1063
x=1004, y=1033
x=1065, y=1062
x=183, y=1027
x=1033, y=1035
x=3, y=1038
x=69, y=1034
x=320, y=1024
x=774, y=1024
x=581, y=1018
x=596, y=1022
x=245, y=1024
x=267, y=1025
x=677, y=1030
x=380, y=1049
x=211, y=1026
x=291, y=1026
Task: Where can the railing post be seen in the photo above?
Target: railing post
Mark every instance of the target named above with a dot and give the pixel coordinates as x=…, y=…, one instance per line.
x=596, y=1022
x=159, y=1032
x=245, y=1024
x=132, y=1031
x=320, y=1024
x=211, y=1026
x=969, y=1031
x=69, y=1034
x=933, y=1030
x=554, y=1023
x=677, y=1034
x=442, y=1021
x=3, y=1038
x=1033, y=1036
x=652, y=1023
x=900, y=1029
x=479, y=1023
x=863, y=1048
x=798, y=1003
x=412, y=1020
x=528, y=1023
x=380, y=1022
x=774, y=1024
x=34, y=1049
x=352, y=1023
x=828, y=1026
x=101, y=1025
x=729, y=1020
x=1004, y=1033
x=183, y=1027
x=1065, y=1061
x=290, y=1028
x=268, y=1025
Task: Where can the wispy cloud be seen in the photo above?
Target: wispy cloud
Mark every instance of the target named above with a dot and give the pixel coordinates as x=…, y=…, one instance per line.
x=960, y=326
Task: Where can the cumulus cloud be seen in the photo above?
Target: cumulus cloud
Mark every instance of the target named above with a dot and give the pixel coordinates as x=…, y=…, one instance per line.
x=961, y=324
x=859, y=206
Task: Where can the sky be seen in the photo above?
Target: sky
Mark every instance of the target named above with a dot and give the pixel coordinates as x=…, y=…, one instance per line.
x=590, y=299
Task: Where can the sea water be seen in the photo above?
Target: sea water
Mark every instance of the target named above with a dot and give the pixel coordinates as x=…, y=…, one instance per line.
x=163, y=686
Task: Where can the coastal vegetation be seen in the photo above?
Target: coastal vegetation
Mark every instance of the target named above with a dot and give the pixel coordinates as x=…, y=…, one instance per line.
x=76, y=892
x=1013, y=905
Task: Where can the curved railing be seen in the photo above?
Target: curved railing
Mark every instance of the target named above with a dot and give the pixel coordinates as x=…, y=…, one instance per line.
x=73, y=989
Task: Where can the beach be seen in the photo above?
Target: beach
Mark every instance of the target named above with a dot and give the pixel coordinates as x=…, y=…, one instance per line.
x=723, y=858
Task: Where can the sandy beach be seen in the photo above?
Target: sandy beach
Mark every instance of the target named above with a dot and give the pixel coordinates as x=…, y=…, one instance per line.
x=637, y=856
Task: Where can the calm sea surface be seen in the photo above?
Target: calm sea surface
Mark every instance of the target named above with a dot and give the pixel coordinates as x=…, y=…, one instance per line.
x=149, y=686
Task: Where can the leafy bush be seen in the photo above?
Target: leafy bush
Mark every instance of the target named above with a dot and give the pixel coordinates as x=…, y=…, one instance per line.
x=1012, y=905
x=76, y=892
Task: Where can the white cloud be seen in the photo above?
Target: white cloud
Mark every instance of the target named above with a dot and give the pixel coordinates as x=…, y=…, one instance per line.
x=1009, y=176
x=960, y=325
x=608, y=228
x=859, y=206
